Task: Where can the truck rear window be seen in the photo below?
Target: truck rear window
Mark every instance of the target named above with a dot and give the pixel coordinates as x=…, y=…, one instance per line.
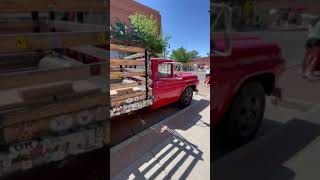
x=164, y=70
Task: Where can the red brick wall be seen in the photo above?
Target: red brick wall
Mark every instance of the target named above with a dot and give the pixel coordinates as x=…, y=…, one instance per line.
x=311, y=6
x=203, y=60
x=122, y=9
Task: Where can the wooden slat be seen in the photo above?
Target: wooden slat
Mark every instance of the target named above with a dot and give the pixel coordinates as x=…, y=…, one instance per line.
x=13, y=99
x=124, y=90
x=18, y=61
x=16, y=80
x=132, y=49
x=126, y=85
x=14, y=6
x=20, y=132
x=126, y=96
x=35, y=93
x=93, y=51
x=43, y=41
x=124, y=101
x=74, y=26
x=119, y=75
x=119, y=62
x=54, y=109
x=14, y=26
x=10, y=100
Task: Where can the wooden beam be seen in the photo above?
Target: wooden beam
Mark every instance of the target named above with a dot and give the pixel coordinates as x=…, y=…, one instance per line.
x=128, y=95
x=12, y=25
x=54, y=109
x=16, y=80
x=16, y=61
x=125, y=85
x=19, y=132
x=44, y=41
x=93, y=51
x=14, y=6
x=124, y=101
x=74, y=26
x=119, y=62
x=44, y=94
x=10, y=100
x=132, y=49
x=120, y=75
x=35, y=93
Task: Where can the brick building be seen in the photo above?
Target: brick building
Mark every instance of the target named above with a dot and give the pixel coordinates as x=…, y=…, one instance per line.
x=122, y=9
x=199, y=62
x=309, y=6
x=248, y=11
x=263, y=7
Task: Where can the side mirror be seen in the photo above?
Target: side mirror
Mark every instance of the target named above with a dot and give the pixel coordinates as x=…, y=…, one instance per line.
x=221, y=29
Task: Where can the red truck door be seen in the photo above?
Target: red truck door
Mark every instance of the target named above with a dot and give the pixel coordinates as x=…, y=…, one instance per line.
x=167, y=86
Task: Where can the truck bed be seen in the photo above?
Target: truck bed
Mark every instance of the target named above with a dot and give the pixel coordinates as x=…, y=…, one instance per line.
x=129, y=90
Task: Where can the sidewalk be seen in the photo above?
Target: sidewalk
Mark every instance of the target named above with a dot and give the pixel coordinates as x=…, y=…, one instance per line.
x=295, y=87
x=176, y=148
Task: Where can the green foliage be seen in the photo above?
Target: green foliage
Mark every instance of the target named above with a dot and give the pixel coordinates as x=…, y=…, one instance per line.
x=120, y=32
x=183, y=56
x=147, y=31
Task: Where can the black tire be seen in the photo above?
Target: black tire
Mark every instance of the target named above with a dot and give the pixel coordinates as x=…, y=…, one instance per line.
x=245, y=115
x=186, y=97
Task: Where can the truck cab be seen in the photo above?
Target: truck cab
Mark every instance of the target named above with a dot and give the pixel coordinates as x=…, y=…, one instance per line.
x=170, y=84
x=245, y=71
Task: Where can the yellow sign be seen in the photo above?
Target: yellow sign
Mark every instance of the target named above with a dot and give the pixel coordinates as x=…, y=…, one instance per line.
x=102, y=38
x=248, y=9
x=22, y=43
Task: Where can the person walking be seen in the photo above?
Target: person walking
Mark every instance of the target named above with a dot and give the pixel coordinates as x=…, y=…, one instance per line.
x=207, y=79
x=311, y=62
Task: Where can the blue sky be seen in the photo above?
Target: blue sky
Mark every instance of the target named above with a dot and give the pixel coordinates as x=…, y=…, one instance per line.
x=186, y=21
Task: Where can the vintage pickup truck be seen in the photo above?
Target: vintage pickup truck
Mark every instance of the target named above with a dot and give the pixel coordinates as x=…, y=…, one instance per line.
x=245, y=70
x=167, y=84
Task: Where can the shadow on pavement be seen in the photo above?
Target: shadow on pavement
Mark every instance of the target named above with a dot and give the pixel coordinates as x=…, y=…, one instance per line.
x=266, y=157
x=220, y=150
x=171, y=154
x=126, y=126
x=168, y=157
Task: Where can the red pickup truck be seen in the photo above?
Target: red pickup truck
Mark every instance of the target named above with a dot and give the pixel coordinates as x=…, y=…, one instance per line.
x=167, y=83
x=170, y=85
x=245, y=70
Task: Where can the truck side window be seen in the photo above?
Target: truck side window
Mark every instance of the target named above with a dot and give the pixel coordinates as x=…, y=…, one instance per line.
x=164, y=70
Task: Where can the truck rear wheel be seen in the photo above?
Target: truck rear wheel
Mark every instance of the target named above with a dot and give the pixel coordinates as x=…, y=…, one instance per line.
x=186, y=97
x=246, y=114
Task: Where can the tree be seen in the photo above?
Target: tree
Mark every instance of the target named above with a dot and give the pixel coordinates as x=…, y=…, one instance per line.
x=147, y=31
x=194, y=54
x=183, y=56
